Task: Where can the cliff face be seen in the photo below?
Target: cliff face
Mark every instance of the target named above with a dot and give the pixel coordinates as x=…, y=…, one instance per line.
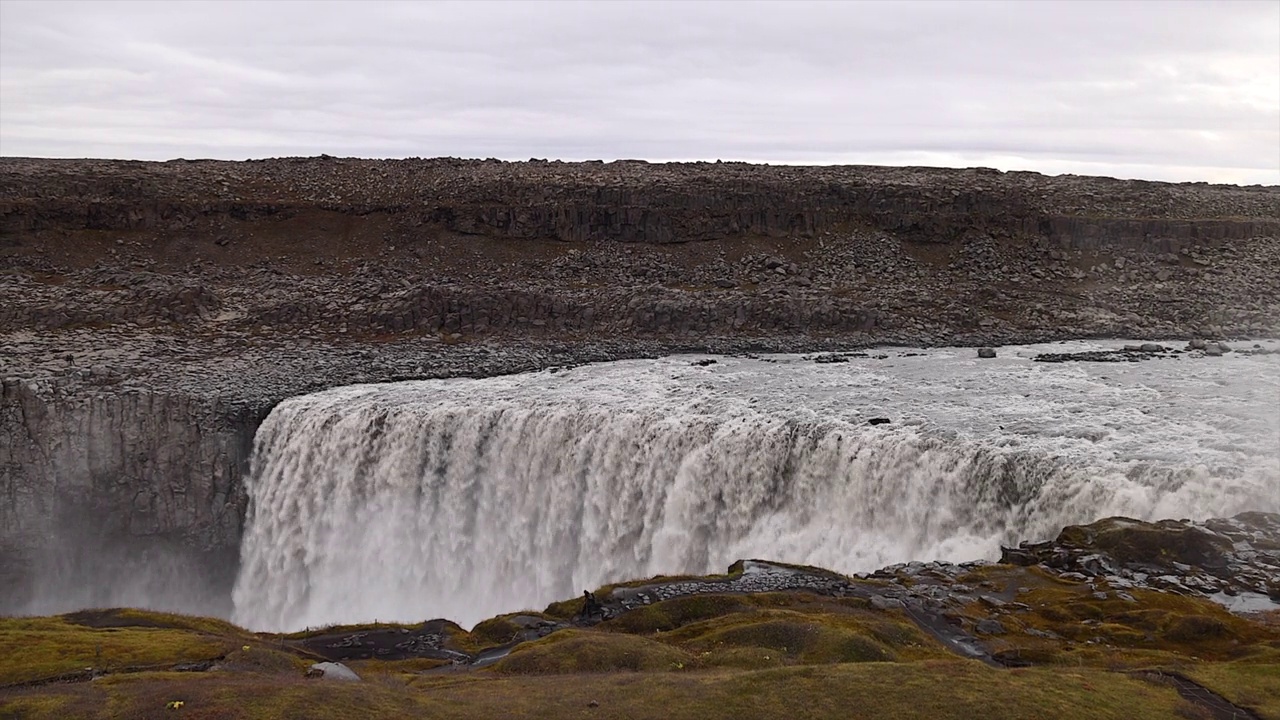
x=629, y=201
x=113, y=494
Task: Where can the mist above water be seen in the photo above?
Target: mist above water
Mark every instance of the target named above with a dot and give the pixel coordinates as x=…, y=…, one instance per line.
x=468, y=498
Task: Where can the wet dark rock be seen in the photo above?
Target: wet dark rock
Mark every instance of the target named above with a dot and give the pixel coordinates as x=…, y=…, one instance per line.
x=1232, y=560
x=1022, y=556
x=1129, y=353
x=878, y=421
x=990, y=627
x=1130, y=541
x=881, y=602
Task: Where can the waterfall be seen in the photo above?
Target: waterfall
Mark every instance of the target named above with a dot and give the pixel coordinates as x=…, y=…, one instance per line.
x=467, y=498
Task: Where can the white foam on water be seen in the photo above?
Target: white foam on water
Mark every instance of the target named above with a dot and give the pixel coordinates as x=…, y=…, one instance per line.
x=466, y=498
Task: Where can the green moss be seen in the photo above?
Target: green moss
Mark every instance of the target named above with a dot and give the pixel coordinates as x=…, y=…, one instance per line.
x=1194, y=628
x=131, y=617
x=372, y=668
x=359, y=627
x=40, y=707
x=1253, y=685
x=1127, y=634
x=262, y=658
x=577, y=651
x=1133, y=541
x=494, y=631
x=44, y=648
x=798, y=639
x=951, y=690
x=677, y=612
x=707, y=656
x=564, y=609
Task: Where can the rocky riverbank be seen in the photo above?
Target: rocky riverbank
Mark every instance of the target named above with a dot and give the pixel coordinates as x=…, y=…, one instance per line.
x=994, y=612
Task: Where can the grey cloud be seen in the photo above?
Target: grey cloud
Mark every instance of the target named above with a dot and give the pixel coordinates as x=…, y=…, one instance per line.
x=1176, y=90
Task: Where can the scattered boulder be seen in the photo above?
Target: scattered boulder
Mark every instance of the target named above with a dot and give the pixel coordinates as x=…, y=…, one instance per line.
x=333, y=671
x=880, y=602
x=990, y=626
x=1130, y=541
x=986, y=352
x=878, y=421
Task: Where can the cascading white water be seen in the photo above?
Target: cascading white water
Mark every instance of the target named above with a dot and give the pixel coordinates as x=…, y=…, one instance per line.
x=467, y=498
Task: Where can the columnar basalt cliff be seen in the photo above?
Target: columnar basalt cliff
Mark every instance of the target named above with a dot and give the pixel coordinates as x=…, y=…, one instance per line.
x=107, y=467
x=153, y=313
x=629, y=201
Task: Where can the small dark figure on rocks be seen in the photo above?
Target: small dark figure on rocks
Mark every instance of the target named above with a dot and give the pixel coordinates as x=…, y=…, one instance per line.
x=590, y=606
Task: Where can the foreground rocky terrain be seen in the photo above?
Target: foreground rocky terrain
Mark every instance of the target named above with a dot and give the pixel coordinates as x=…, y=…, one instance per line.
x=153, y=313
x=1119, y=618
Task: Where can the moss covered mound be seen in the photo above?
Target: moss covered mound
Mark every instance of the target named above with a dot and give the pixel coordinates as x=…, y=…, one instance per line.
x=579, y=651
x=1135, y=541
x=941, y=690
x=38, y=649
x=1089, y=650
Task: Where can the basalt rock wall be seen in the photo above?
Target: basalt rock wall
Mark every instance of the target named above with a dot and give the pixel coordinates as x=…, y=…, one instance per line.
x=629, y=202
x=112, y=494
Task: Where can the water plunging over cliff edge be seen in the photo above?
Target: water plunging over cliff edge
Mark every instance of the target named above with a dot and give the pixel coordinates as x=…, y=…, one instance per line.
x=467, y=498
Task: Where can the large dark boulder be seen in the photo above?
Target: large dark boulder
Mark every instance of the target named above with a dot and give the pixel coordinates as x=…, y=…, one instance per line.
x=1132, y=541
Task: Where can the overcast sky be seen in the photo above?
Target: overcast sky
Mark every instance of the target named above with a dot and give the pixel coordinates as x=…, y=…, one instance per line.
x=1160, y=90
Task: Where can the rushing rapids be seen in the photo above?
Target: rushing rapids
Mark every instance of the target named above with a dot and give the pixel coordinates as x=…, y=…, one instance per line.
x=467, y=498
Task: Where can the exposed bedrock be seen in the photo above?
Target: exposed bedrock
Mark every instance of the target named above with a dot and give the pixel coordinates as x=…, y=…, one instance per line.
x=119, y=497
x=630, y=201
x=660, y=218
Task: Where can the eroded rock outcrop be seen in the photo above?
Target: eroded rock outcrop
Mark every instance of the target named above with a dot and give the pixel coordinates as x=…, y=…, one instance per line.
x=1235, y=561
